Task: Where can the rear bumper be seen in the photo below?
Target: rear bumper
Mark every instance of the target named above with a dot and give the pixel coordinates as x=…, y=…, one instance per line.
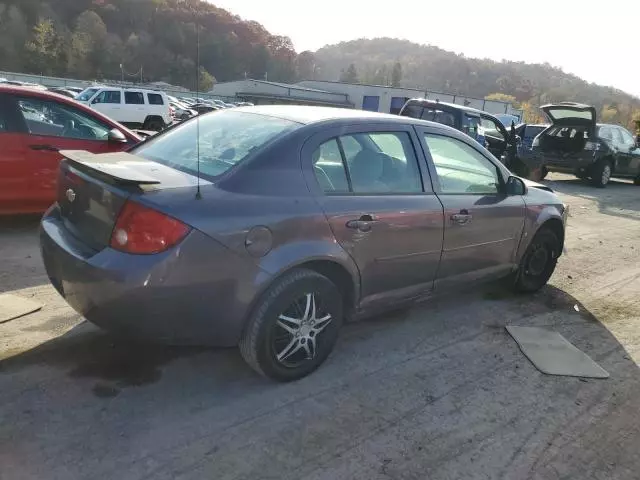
x=198, y=293
x=581, y=161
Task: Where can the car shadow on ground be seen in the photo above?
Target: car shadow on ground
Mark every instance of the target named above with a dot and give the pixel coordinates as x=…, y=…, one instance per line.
x=407, y=380
x=23, y=269
x=620, y=198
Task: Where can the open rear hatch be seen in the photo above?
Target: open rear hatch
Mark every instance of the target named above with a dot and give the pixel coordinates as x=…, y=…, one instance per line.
x=92, y=189
x=570, y=113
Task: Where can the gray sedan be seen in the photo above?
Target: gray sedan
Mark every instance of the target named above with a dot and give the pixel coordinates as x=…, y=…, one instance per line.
x=268, y=227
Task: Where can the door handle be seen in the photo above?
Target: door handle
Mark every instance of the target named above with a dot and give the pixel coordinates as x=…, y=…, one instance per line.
x=462, y=218
x=362, y=224
x=46, y=148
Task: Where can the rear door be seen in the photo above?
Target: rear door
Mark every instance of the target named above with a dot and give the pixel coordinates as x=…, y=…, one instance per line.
x=482, y=224
x=50, y=126
x=134, y=111
x=382, y=210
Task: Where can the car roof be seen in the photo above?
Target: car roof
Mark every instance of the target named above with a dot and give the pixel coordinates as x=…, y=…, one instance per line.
x=435, y=103
x=311, y=114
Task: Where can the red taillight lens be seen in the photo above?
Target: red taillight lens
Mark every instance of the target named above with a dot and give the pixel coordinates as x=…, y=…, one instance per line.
x=142, y=230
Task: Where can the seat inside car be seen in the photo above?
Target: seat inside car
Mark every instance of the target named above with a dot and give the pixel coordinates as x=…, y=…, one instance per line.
x=367, y=169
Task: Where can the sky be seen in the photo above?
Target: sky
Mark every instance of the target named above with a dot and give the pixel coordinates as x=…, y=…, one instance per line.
x=597, y=40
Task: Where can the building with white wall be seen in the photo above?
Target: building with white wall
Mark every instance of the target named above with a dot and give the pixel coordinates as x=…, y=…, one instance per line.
x=385, y=99
x=262, y=92
x=376, y=98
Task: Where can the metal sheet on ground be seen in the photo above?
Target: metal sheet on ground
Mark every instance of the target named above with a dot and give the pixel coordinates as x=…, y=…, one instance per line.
x=553, y=354
x=14, y=306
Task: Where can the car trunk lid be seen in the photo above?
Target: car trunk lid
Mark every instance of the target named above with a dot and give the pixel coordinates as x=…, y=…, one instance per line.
x=569, y=113
x=92, y=189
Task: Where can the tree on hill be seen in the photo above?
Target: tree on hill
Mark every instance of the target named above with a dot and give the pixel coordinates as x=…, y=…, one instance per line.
x=430, y=67
x=350, y=75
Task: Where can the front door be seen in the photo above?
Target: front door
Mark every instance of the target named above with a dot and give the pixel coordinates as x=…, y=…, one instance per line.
x=629, y=155
x=49, y=126
x=482, y=225
x=380, y=207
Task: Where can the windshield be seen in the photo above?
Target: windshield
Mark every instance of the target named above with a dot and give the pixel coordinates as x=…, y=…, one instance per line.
x=86, y=95
x=226, y=138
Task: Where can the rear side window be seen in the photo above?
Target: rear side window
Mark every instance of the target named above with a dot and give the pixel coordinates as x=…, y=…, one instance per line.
x=384, y=163
x=155, y=99
x=134, y=98
x=225, y=139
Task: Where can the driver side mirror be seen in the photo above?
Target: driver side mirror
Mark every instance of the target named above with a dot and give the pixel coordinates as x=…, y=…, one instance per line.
x=515, y=186
x=116, y=136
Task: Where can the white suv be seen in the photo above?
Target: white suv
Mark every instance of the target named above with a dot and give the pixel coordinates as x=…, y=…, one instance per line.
x=133, y=107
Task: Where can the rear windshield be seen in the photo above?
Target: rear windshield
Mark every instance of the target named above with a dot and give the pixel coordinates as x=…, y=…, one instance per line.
x=86, y=95
x=429, y=113
x=561, y=113
x=226, y=138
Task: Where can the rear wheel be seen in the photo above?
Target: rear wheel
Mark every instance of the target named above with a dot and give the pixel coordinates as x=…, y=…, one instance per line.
x=155, y=124
x=601, y=173
x=539, y=262
x=294, y=327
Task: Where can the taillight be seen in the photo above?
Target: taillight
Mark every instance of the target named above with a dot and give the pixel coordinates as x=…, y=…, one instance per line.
x=142, y=230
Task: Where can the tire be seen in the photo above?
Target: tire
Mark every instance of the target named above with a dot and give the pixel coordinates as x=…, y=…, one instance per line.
x=153, y=123
x=543, y=172
x=601, y=173
x=269, y=344
x=636, y=181
x=539, y=262
x=582, y=175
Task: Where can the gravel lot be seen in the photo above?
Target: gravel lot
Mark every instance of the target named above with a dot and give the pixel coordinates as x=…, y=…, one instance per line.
x=437, y=392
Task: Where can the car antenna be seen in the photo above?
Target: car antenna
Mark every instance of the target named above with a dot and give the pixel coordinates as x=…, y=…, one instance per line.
x=198, y=192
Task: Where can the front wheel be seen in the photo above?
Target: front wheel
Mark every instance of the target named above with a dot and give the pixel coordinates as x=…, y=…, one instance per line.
x=294, y=327
x=601, y=173
x=539, y=262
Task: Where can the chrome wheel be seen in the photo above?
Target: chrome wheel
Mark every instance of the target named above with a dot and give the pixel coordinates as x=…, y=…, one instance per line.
x=298, y=331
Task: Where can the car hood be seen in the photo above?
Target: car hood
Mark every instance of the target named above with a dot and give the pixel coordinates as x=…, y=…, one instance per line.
x=569, y=113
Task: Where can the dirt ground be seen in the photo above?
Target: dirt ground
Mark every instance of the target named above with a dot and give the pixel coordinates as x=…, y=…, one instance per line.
x=437, y=392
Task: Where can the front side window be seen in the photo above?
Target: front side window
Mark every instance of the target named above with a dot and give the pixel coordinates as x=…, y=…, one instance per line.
x=155, y=99
x=462, y=169
x=134, y=98
x=86, y=95
x=627, y=138
x=50, y=118
x=381, y=163
x=226, y=138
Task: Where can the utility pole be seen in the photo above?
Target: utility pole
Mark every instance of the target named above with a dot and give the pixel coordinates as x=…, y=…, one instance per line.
x=122, y=73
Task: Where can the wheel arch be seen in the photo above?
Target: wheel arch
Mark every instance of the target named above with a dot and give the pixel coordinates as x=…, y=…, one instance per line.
x=557, y=227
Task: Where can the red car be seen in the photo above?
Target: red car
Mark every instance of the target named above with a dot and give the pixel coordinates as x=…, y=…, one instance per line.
x=34, y=126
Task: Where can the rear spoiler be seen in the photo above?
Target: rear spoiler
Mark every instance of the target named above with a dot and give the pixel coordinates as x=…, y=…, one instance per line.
x=119, y=166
